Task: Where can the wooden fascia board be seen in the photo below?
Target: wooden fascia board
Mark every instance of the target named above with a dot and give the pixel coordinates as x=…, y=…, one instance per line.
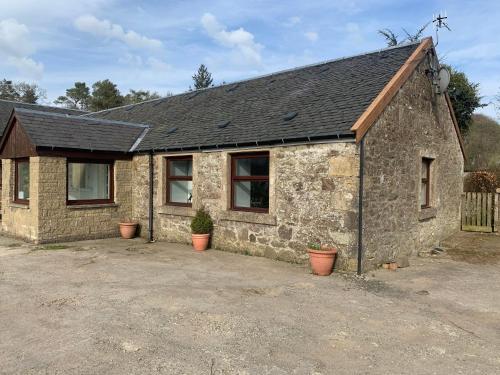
x=375, y=109
x=7, y=130
x=455, y=124
x=13, y=121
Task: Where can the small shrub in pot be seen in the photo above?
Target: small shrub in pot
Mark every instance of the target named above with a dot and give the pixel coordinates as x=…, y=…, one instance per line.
x=201, y=227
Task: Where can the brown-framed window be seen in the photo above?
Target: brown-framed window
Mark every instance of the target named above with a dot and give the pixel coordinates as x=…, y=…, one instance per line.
x=425, y=183
x=90, y=181
x=22, y=181
x=179, y=191
x=250, y=182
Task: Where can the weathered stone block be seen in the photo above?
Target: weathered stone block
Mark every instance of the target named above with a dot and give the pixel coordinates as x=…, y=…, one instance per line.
x=344, y=166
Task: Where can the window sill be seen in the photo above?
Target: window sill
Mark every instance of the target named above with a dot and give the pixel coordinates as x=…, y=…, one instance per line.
x=427, y=213
x=19, y=205
x=177, y=211
x=248, y=217
x=90, y=206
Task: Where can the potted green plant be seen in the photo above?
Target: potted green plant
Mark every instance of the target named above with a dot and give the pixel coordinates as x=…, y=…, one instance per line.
x=201, y=227
x=128, y=228
x=321, y=258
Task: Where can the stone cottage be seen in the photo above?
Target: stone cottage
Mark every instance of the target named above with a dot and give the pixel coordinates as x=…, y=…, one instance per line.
x=362, y=153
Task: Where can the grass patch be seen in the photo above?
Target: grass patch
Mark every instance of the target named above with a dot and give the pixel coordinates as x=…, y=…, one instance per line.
x=52, y=247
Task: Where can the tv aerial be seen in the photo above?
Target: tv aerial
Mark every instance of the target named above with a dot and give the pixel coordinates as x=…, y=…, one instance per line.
x=439, y=22
x=439, y=75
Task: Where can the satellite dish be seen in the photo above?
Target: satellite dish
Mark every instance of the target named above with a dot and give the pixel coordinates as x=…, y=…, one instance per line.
x=444, y=79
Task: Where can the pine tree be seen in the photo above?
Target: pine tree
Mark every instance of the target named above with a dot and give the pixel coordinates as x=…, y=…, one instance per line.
x=77, y=97
x=202, y=78
x=105, y=95
x=8, y=91
x=138, y=96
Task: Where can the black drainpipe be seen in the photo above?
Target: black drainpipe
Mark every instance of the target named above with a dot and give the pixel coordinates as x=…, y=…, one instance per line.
x=360, y=206
x=150, y=213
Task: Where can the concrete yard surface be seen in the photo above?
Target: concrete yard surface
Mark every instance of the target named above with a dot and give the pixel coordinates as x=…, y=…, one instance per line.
x=127, y=307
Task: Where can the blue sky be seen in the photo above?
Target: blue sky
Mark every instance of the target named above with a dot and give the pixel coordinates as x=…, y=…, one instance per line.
x=157, y=45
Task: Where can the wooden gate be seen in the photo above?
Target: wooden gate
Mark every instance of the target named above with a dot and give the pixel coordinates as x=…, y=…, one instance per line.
x=478, y=211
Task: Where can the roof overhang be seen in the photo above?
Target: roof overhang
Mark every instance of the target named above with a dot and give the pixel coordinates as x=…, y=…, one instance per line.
x=377, y=106
x=375, y=109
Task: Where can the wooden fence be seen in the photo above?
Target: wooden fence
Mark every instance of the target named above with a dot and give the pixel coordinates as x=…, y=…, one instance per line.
x=480, y=212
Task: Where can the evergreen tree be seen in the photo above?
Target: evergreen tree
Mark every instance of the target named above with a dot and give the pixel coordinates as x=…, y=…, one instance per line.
x=105, y=95
x=202, y=78
x=464, y=96
x=21, y=91
x=138, y=96
x=29, y=92
x=77, y=97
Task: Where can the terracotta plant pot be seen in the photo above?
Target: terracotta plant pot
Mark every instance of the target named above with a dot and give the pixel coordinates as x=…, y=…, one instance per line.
x=322, y=261
x=200, y=241
x=127, y=230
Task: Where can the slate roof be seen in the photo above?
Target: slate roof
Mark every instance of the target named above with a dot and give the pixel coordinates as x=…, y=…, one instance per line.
x=317, y=101
x=6, y=107
x=54, y=130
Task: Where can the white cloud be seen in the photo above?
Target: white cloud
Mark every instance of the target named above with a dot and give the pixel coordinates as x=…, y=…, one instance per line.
x=312, y=36
x=105, y=28
x=239, y=39
x=16, y=48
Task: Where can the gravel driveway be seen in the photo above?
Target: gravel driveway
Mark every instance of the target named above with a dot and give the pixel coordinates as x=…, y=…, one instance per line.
x=126, y=307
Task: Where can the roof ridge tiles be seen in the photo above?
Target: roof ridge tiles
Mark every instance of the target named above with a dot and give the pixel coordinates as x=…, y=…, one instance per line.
x=267, y=75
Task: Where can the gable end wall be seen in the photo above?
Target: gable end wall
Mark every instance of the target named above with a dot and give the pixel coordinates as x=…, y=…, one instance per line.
x=417, y=123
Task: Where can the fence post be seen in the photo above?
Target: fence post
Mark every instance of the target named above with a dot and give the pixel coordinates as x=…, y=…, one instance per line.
x=496, y=215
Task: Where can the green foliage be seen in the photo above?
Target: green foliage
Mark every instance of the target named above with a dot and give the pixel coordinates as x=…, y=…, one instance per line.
x=77, y=97
x=8, y=91
x=202, y=222
x=481, y=145
x=105, y=95
x=314, y=246
x=392, y=39
x=202, y=78
x=465, y=98
x=21, y=91
x=138, y=96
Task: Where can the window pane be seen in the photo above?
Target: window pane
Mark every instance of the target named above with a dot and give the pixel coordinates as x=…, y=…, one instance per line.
x=181, y=191
x=180, y=167
x=23, y=180
x=251, y=194
x=88, y=181
x=252, y=166
x=425, y=166
x=423, y=194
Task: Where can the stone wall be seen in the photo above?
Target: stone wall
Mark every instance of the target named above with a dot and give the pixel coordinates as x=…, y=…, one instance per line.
x=313, y=197
x=49, y=219
x=416, y=124
x=20, y=220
